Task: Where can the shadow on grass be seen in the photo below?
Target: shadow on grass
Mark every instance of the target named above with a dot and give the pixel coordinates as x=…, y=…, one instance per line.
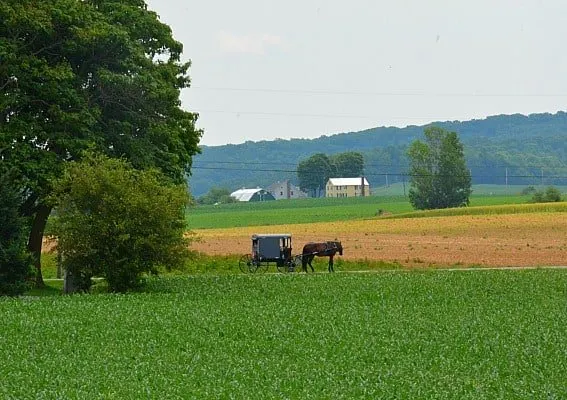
x=52, y=288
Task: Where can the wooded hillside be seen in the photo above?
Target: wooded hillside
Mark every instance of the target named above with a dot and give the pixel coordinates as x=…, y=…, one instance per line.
x=522, y=147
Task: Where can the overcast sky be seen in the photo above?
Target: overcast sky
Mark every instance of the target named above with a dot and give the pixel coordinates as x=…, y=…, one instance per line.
x=266, y=69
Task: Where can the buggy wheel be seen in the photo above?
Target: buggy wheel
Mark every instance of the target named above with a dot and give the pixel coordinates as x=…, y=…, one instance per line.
x=262, y=266
x=286, y=266
x=247, y=264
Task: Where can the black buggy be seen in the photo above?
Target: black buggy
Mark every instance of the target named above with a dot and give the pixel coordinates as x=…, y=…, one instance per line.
x=266, y=249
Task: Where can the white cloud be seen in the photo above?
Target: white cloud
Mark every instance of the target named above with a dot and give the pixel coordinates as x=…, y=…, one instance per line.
x=250, y=44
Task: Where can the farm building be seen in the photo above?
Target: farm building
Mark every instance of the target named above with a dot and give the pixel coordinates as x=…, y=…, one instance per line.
x=286, y=190
x=257, y=194
x=347, y=187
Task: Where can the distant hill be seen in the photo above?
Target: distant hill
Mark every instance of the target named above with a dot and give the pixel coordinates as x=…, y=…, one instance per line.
x=522, y=147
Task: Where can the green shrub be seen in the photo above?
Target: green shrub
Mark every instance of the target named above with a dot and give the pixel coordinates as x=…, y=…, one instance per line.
x=217, y=196
x=118, y=223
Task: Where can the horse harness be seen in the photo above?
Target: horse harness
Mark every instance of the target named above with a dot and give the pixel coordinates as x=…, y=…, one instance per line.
x=330, y=249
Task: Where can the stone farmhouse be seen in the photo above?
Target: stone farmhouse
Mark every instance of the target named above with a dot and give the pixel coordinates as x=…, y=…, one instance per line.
x=286, y=190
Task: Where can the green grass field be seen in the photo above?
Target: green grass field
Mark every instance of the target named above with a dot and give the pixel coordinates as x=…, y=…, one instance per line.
x=313, y=210
x=405, y=335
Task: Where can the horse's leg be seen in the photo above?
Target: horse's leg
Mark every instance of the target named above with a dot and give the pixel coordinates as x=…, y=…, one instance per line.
x=331, y=269
x=311, y=265
x=304, y=263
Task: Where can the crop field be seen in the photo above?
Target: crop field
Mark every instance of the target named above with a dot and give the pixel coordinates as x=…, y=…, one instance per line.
x=488, y=210
x=313, y=210
x=521, y=239
x=411, y=335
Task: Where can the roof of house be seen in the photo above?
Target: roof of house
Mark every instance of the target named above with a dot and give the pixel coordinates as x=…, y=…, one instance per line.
x=275, y=185
x=278, y=183
x=347, y=181
x=271, y=235
x=245, y=194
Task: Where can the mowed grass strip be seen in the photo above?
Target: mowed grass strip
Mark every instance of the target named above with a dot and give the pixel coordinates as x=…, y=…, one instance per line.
x=439, y=334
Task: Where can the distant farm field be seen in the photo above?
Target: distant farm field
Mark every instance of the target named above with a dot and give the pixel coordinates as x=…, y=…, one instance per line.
x=313, y=210
x=437, y=334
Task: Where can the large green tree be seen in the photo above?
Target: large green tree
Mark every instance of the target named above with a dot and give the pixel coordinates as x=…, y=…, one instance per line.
x=104, y=74
x=314, y=172
x=438, y=173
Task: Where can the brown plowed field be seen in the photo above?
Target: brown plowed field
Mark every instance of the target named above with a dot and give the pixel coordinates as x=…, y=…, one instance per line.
x=489, y=240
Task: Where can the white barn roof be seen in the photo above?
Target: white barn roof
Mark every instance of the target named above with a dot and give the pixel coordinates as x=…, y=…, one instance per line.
x=245, y=194
x=347, y=181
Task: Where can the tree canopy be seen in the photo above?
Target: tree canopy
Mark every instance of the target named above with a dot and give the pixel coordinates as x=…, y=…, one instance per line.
x=348, y=165
x=438, y=173
x=102, y=74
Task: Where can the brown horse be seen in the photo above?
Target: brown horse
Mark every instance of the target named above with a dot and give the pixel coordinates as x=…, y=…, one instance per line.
x=325, y=249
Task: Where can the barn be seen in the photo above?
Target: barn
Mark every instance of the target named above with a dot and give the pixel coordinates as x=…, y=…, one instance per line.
x=251, y=195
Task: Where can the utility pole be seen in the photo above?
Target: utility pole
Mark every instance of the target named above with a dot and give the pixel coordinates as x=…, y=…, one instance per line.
x=506, y=177
x=542, y=177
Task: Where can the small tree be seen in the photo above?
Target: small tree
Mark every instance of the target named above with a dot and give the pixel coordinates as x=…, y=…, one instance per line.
x=117, y=222
x=551, y=195
x=216, y=195
x=314, y=172
x=15, y=262
x=438, y=173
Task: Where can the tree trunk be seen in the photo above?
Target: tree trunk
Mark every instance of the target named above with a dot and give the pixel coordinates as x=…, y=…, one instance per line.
x=36, y=240
x=59, y=265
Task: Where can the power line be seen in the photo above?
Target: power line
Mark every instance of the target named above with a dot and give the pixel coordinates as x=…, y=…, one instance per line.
x=370, y=93
x=379, y=165
x=397, y=174
x=301, y=115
